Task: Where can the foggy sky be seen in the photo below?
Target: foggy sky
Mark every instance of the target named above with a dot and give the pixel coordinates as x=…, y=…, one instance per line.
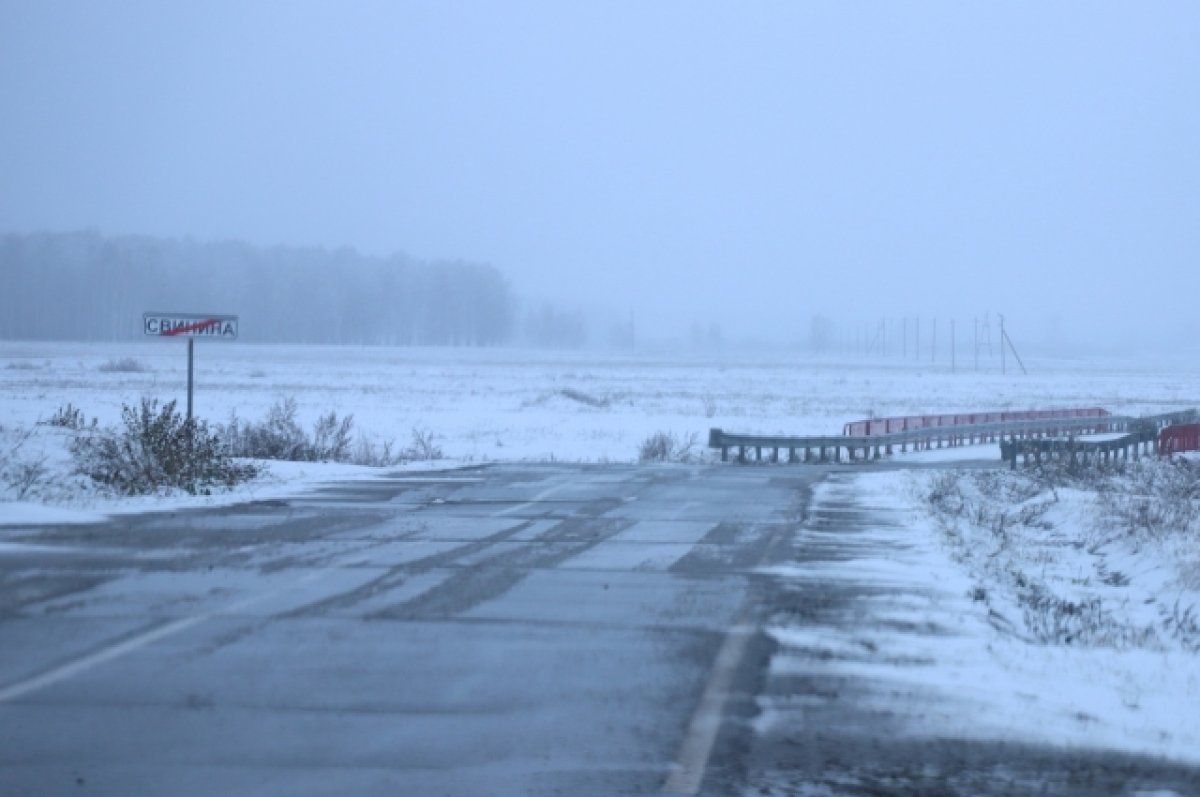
x=681, y=161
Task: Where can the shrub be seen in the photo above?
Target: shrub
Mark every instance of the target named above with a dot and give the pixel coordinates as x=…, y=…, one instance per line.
x=281, y=437
x=1156, y=498
x=21, y=476
x=377, y=455
x=157, y=448
x=944, y=493
x=584, y=398
x=422, y=447
x=67, y=416
x=24, y=477
x=277, y=437
x=331, y=437
x=125, y=365
x=668, y=447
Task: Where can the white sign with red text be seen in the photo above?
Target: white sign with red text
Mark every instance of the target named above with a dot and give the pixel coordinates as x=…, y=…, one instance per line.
x=190, y=325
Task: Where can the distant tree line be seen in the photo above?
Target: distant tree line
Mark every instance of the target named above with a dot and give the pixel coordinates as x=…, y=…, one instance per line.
x=549, y=327
x=85, y=286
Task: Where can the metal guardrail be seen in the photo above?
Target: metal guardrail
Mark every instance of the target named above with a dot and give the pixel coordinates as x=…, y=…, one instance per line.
x=908, y=423
x=827, y=448
x=1132, y=445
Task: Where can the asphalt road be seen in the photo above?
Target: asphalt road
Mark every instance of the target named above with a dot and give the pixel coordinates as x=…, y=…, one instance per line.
x=505, y=630
x=509, y=630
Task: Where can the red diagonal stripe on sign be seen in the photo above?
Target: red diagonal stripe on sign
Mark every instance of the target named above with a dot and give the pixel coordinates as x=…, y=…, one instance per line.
x=196, y=327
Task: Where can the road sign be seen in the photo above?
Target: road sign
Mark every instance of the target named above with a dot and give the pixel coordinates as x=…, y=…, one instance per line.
x=212, y=326
x=190, y=325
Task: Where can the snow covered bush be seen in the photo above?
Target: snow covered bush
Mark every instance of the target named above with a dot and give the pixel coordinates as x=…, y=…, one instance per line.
x=157, y=448
x=423, y=446
x=668, y=447
x=280, y=436
x=124, y=365
x=1154, y=499
x=331, y=437
x=67, y=416
x=20, y=475
x=1082, y=557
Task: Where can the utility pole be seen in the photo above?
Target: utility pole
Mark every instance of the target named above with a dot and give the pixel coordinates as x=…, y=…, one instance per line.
x=1006, y=340
x=1003, y=368
x=953, y=363
x=976, y=343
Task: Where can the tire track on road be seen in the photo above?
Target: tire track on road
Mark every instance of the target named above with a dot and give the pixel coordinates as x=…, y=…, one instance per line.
x=479, y=583
x=396, y=576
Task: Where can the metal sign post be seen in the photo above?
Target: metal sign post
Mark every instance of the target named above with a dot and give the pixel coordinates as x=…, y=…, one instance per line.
x=190, y=326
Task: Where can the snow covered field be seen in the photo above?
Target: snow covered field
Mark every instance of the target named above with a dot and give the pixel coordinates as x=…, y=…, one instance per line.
x=499, y=404
x=485, y=405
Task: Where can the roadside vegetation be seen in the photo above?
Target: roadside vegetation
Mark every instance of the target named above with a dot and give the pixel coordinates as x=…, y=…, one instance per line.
x=669, y=447
x=1085, y=557
x=21, y=473
x=280, y=436
x=155, y=450
x=123, y=365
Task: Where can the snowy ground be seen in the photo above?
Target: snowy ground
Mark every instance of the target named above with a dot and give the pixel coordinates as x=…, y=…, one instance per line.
x=487, y=405
x=940, y=630
x=484, y=405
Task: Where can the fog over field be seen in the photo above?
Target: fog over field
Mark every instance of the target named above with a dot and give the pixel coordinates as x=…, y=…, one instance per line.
x=785, y=174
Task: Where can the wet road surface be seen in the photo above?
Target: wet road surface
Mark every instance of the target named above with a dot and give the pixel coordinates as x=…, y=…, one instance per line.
x=509, y=630
x=504, y=630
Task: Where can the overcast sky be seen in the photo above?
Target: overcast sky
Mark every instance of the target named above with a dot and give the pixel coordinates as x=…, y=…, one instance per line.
x=751, y=161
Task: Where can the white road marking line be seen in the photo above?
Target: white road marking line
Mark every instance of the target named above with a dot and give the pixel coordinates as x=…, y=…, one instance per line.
x=92, y=660
x=79, y=666
x=693, y=757
x=706, y=722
